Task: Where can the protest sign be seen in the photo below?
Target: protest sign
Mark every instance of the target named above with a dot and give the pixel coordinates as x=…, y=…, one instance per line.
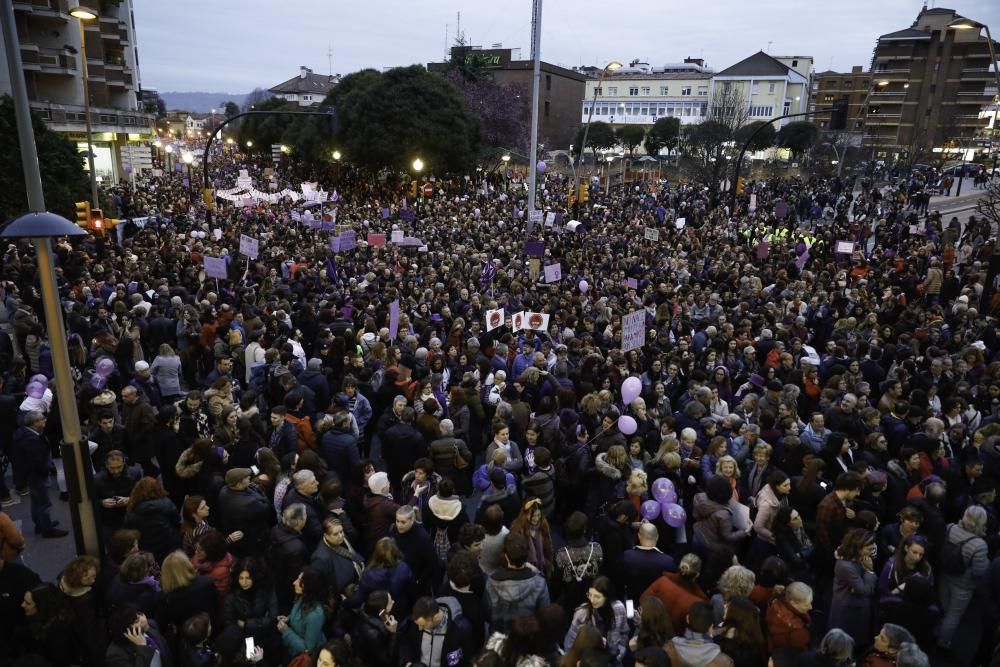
x=494, y=319
x=762, y=249
x=393, y=319
x=634, y=330
x=335, y=243
x=652, y=234
x=397, y=236
x=553, y=273
x=376, y=240
x=631, y=283
x=348, y=240
x=517, y=321
x=215, y=267
x=844, y=247
x=249, y=246
x=536, y=321
x=534, y=248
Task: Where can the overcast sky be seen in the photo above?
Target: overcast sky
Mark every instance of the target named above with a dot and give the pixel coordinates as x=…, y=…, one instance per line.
x=234, y=46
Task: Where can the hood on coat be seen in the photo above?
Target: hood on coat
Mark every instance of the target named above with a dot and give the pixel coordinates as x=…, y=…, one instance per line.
x=705, y=507
x=606, y=468
x=446, y=509
x=696, y=651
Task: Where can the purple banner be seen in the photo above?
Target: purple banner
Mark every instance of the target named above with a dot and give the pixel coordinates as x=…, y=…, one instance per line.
x=534, y=248
x=393, y=319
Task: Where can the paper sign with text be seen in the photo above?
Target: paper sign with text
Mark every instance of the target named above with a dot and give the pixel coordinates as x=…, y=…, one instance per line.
x=215, y=267
x=652, y=234
x=634, y=330
x=553, y=273
x=376, y=240
x=249, y=246
x=494, y=319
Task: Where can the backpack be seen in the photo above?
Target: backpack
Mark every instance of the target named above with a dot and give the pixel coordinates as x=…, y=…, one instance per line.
x=303, y=431
x=952, y=560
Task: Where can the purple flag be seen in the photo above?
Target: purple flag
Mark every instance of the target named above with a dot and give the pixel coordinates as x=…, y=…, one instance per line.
x=393, y=319
x=488, y=273
x=800, y=262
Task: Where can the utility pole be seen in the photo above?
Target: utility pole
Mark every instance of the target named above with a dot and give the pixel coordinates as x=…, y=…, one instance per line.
x=536, y=80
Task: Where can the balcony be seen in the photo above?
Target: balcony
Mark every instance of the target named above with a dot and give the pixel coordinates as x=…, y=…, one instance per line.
x=70, y=119
x=51, y=9
x=883, y=119
x=95, y=70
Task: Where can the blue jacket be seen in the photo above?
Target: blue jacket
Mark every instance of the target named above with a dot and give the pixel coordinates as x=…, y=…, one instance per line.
x=305, y=629
x=339, y=449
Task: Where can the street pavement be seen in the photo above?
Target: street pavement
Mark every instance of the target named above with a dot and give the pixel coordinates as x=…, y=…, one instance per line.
x=47, y=557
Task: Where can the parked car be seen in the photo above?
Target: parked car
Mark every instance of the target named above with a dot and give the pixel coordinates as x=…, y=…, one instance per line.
x=970, y=169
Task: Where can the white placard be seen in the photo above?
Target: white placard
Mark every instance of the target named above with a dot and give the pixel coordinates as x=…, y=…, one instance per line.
x=652, y=234
x=397, y=235
x=536, y=321
x=553, y=273
x=753, y=202
x=845, y=247
x=680, y=222
x=634, y=330
x=217, y=233
x=215, y=267
x=536, y=216
x=517, y=321
x=494, y=319
x=249, y=246
x=550, y=219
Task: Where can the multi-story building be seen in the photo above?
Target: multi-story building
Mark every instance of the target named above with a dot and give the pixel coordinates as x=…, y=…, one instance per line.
x=50, y=54
x=771, y=86
x=641, y=95
x=307, y=89
x=559, y=97
x=929, y=84
x=829, y=87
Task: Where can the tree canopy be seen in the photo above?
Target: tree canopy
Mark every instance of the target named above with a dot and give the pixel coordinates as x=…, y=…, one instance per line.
x=764, y=140
x=64, y=180
x=665, y=133
x=798, y=137
x=630, y=137
x=600, y=137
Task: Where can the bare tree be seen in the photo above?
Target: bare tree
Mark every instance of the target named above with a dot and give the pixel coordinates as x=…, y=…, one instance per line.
x=707, y=145
x=989, y=204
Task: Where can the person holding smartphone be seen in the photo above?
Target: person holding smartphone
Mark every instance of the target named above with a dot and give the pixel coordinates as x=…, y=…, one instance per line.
x=135, y=640
x=374, y=632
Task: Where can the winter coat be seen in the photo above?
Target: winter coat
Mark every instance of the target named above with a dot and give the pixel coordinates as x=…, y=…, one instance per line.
x=380, y=515
x=456, y=649
x=218, y=570
x=181, y=604
x=341, y=566
x=370, y=638
x=512, y=593
x=142, y=594
x=508, y=500
x=541, y=485
x=397, y=580
x=257, y=608
x=974, y=555
x=286, y=554
x=447, y=516
x=339, y=448
x=713, y=524
x=786, y=626
x=248, y=511
x=615, y=636
x=694, y=650
x=677, y=597
x=304, y=631
x=158, y=523
x=852, y=609
x=767, y=506
x=442, y=453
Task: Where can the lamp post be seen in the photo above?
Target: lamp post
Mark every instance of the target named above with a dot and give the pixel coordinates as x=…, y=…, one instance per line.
x=868, y=97
x=188, y=158
x=83, y=14
x=536, y=82
x=170, y=160
x=418, y=166
x=610, y=67
x=41, y=227
x=840, y=160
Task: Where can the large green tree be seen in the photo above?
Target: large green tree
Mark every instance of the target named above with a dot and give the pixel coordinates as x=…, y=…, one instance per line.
x=601, y=136
x=386, y=119
x=630, y=137
x=231, y=109
x=764, y=140
x=798, y=137
x=665, y=133
x=64, y=180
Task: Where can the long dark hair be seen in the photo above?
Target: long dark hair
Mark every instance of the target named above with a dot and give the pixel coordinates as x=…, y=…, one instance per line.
x=743, y=622
x=315, y=590
x=655, y=628
x=605, y=614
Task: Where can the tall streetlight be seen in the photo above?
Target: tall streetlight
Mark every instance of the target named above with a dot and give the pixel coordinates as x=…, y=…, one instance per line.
x=83, y=14
x=610, y=67
x=41, y=227
x=871, y=90
x=536, y=83
x=170, y=161
x=188, y=158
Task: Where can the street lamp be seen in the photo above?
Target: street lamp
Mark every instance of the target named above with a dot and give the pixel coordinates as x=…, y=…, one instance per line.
x=610, y=67
x=249, y=144
x=418, y=165
x=82, y=14
x=188, y=158
x=505, y=158
x=336, y=155
x=170, y=157
x=41, y=227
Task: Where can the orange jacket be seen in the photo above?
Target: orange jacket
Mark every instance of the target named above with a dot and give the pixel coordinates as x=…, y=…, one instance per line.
x=676, y=597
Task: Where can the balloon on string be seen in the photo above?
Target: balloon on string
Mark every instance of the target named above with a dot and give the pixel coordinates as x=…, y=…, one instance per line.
x=38, y=377
x=631, y=388
x=541, y=167
x=105, y=367
x=584, y=286
x=674, y=515
x=650, y=510
x=663, y=488
x=35, y=390
x=627, y=425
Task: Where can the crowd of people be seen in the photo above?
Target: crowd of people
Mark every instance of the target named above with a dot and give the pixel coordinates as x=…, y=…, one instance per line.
x=336, y=458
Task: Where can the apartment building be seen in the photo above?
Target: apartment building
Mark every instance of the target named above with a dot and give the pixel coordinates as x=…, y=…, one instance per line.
x=51, y=53
x=829, y=87
x=771, y=86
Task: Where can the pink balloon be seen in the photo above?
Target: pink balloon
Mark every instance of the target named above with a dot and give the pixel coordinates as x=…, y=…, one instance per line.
x=627, y=425
x=35, y=390
x=650, y=510
x=631, y=388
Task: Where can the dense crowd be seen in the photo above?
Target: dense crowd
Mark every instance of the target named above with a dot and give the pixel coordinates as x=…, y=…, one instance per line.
x=798, y=464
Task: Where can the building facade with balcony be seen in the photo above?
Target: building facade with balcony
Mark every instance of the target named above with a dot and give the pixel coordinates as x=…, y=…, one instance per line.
x=51, y=57
x=928, y=86
x=830, y=87
x=770, y=86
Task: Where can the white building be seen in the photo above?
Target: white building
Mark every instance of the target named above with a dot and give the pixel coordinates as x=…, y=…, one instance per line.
x=771, y=86
x=307, y=89
x=640, y=94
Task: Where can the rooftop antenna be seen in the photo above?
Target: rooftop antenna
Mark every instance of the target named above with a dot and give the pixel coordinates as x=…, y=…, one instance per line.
x=458, y=30
x=769, y=47
x=446, y=52
x=329, y=57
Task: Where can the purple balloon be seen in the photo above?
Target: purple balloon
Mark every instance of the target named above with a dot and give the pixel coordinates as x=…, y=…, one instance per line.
x=35, y=390
x=627, y=425
x=674, y=515
x=541, y=166
x=663, y=488
x=105, y=367
x=650, y=510
x=38, y=377
x=631, y=388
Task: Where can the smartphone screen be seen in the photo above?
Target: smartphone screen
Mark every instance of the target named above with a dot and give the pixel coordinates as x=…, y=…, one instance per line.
x=250, y=647
x=629, y=609
x=255, y=470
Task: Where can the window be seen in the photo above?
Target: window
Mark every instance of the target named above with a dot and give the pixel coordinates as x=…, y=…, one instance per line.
x=848, y=84
x=664, y=90
x=770, y=87
x=586, y=107
x=612, y=90
x=703, y=90
x=761, y=111
x=685, y=90
x=633, y=91
x=645, y=91
x=598, y=92
x=787, y=108
x=644, y=110
x=932, y=88
x=548, y=82
x=754, y=88
x=546, y=108
x=795, y=63
x=307, y=98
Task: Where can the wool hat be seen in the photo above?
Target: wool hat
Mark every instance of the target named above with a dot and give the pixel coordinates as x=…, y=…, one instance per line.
x=236, y=475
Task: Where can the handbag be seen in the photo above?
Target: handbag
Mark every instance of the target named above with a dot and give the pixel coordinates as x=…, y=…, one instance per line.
x=301, y=660
x=459, y=461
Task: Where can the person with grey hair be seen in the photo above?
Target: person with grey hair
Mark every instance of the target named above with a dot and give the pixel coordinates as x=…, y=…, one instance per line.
x=30, y=450
x=964, y=559
x=287, y=552
x=452, y=457
x=835, y=650
x=304, y=491
x=888, y=643
x=910, y=655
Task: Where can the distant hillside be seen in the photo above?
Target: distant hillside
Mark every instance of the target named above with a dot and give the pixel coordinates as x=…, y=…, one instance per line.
x=200, y=102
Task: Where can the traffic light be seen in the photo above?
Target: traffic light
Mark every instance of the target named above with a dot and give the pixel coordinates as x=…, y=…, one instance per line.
x=83, y=214
x=413, y=189
x=208, y=195
x=97, y=221
x=739, y=186
x=584, y=193
x=838, y=116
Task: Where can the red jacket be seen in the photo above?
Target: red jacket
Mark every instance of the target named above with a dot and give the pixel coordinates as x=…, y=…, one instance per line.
x=219, y=571
x=676, y=597
x=786, y=626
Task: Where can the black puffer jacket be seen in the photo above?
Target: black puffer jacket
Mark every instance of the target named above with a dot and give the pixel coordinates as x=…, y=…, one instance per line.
x=158, y=523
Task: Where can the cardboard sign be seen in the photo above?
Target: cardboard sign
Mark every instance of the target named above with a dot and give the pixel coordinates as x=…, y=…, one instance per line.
x=753, y=202
x=397, y=235
x=494, y=319
x=517, y=321
x=536, y=321
x=249, y=246
x=844, y=247
x=348, y=241
x=215, y=267
x=652, y=234
x=762, y=249
x=393, y=319
x=535, y=216
x=631, y=283
x=634, y=330
x=550, y=219
x=376, y=240
x=534, y=248
x=553, y=273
